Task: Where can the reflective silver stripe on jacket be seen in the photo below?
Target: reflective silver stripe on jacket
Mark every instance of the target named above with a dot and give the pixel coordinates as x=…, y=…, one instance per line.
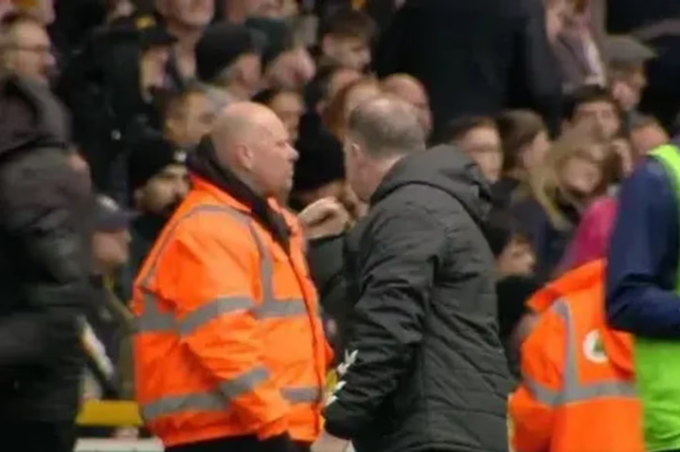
x=153, y=321
x=573, y=390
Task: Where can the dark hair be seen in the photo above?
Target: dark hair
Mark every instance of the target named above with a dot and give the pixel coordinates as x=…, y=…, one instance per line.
x=317, y=89
x=640, y=121
x=348, y=23
x=501, y=228
x=386, y=126
x=586, y=94
x=459, y=127
x=170, y=99
x=517, y=129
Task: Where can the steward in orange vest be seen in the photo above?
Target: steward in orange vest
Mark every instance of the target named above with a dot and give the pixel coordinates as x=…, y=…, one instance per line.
x=575, y=395
x=230, y=352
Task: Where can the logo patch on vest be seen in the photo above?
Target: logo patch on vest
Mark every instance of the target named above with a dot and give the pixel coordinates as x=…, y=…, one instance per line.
x=593, y=348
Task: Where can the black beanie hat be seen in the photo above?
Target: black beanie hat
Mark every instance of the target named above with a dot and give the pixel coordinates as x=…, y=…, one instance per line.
x=321, y=161
x=220, y=46
x=279, y=37
x=148, y=158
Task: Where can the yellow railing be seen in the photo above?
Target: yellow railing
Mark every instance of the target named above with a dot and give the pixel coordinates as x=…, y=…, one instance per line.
x=108, y=413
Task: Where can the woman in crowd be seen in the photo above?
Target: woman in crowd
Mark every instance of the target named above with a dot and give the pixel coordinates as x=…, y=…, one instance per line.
x=525, y=142
x=576, y=171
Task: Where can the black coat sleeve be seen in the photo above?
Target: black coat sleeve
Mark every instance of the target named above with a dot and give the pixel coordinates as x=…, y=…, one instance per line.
x=399, y=253
x=38, y=200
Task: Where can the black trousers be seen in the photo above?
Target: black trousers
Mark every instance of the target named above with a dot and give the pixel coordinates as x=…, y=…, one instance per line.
x=32, y=436
x=238, y=444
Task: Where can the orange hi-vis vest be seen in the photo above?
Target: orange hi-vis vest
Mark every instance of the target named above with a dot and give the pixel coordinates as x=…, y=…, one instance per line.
x=573, y=398
x=229, y=340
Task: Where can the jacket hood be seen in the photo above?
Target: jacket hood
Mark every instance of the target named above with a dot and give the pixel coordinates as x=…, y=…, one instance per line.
x=30, y=117
x=446, y=168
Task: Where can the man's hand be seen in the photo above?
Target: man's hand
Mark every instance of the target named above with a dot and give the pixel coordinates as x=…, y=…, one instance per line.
x=325, y=217
x=329, y=443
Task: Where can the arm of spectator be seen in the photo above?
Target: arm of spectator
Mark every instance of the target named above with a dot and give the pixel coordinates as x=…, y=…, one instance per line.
x=38, y=201
x=643, y=257
x=397, y=271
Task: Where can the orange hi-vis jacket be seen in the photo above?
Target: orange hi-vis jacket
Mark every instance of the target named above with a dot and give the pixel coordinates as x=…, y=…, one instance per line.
x=229, y=340
x=574, y=397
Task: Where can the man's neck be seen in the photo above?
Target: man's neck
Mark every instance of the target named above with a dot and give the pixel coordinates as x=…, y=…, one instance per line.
x=380, y=170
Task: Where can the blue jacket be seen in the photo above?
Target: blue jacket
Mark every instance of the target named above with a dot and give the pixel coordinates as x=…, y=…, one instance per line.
x=643, y=256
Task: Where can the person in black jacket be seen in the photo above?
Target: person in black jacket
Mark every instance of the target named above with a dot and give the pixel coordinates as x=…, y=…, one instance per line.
x=476, y=58
x=424, y=367
x=44, y=269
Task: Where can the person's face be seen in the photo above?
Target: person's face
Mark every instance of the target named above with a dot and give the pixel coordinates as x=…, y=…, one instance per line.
x=163, y=192
x=581, y=175
x=272, y=158
x=292, y=70
x=534, y=154
x=189, y=13
x=265, y=8
x=111, y=249
x=353, y=53
x=249, y=68
x=417, y=97
x=645, y=139
x=556, y=16
x=483, y=145
x=601, y=116
x=190, y=121
x=517, y=259
x=29, y=53
x=154, y=62
x=289, y=107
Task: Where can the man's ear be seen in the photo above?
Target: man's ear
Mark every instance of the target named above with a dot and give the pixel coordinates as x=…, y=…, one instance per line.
x=356, y=152
x=328, y=45
x=245, y=157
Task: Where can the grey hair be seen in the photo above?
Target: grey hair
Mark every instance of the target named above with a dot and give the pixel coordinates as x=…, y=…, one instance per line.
x=386, y=126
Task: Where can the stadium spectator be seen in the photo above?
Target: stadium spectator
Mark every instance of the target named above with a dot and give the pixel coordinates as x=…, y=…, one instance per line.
x=229, y=63
x=478, y=137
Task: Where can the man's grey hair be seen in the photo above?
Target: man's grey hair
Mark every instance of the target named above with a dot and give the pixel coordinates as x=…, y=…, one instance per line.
x=386, y=126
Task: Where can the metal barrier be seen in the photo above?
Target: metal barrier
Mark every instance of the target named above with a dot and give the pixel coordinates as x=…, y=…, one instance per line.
x=118, y=445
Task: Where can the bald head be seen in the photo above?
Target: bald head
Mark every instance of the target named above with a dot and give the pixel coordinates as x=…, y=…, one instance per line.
x=385, y=127
x=241, y=123
x=404, y=86
x=252, y=142
x=412, y=91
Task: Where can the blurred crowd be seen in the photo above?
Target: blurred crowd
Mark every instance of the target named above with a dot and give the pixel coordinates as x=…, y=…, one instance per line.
x=556, y=101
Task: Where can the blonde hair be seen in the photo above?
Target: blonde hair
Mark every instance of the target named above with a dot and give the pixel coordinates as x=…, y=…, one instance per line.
x=545, y=184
